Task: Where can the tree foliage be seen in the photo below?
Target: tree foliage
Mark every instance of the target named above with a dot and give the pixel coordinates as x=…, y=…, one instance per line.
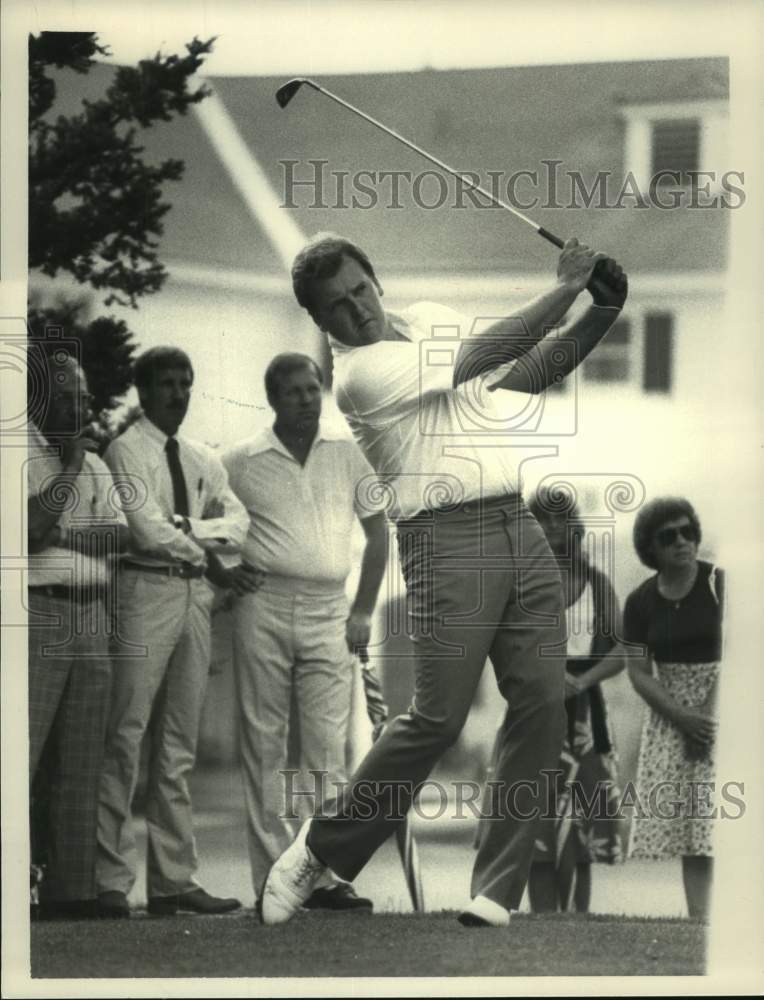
x=95, y=205
x=104, y=348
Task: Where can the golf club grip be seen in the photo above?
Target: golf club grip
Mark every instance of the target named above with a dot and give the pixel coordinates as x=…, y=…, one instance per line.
x=598, y=275
x=545, y=234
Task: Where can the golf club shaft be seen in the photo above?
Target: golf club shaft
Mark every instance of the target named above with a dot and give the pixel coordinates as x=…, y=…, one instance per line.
x=465, y=179
x=409, y=855
x=404, y=838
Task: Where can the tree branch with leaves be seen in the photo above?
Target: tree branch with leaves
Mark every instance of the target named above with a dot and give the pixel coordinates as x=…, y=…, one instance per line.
x=95, y=206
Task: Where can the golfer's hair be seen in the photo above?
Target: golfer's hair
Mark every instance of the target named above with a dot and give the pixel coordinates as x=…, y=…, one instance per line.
x=321, y=258
x=652, y=518
x=158, y=359
x=283, y=365
x=549, y=503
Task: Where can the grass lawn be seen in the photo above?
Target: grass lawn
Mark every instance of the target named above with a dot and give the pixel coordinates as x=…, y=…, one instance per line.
x=326, y=944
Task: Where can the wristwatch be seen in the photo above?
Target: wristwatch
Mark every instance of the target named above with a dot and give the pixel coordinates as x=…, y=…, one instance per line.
x=182, y=522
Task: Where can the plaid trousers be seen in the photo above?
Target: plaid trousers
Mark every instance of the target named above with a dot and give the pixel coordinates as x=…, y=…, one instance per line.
x=69, y=689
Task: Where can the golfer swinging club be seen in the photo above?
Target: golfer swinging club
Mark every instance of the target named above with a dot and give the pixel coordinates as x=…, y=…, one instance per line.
x=480, y=577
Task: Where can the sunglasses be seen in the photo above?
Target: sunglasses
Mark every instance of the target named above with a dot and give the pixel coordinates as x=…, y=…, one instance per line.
x=667, y=536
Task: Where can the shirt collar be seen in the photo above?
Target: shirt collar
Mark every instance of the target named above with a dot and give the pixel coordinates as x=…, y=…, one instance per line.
x=398, y=321
x=152, y=432
x=267, y=440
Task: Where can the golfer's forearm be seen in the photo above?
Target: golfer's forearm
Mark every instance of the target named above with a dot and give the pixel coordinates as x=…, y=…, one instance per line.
x=533, y=320
x=561, y=355
x=513, y=336
x=554, y=358
x=589, y=330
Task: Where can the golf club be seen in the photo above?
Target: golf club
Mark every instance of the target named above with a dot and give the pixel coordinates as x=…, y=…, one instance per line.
x=285, y=94
x=376, y=708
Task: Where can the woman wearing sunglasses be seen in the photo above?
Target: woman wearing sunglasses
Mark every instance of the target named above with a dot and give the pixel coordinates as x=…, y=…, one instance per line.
x=676, y=617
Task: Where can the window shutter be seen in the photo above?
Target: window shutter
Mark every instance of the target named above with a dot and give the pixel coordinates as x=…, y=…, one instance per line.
x=609, y=361
x=657, y=373
x=676, y=146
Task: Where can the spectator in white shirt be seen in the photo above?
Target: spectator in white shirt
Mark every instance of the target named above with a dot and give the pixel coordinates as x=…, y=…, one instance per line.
x=181, y=512
x=303, y=486
x=73, y=529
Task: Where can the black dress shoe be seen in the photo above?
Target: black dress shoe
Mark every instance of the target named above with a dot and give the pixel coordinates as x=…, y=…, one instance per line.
x=113, y=905
x=67, y=909
x=341, y=896
x=196, y=901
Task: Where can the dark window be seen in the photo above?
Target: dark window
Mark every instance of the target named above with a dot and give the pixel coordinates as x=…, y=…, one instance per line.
x=609, y=361
x=657, y=374
x=676, y=147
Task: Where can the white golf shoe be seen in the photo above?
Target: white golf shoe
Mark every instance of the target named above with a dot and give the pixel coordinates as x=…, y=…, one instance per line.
x=483, y=912
x=291, y=880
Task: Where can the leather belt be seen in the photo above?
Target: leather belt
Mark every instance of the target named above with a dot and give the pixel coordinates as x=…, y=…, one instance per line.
x=61, y=592
x=467, y=507
x=184, y=571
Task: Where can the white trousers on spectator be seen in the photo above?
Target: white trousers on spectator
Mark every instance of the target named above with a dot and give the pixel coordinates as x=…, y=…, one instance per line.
x=161, y=663
x=289, y=645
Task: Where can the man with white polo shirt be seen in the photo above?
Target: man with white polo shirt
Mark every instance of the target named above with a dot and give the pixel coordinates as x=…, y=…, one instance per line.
x=303, y=486
x=181, y=513
x=481, y=579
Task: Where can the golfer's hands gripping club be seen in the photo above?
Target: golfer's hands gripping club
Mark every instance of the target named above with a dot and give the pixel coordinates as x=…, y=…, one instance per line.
x=581, y=267
x=608, y=284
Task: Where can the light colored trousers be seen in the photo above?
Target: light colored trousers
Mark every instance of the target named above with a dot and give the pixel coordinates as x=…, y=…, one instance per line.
x=160, y=667
x=481, y=583
x=289, y=646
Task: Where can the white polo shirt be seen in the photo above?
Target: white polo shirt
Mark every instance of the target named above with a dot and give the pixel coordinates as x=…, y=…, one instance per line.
x=91, y=500
x=422, y=436
x=301, y=516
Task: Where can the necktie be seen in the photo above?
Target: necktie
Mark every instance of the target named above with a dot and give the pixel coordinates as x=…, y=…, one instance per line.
x=179, y=492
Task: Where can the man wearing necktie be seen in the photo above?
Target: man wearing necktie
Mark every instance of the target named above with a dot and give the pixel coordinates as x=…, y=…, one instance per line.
x=179, y=491
x=181, y=513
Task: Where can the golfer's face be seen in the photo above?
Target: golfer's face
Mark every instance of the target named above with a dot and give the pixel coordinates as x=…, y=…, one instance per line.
x=348, y=306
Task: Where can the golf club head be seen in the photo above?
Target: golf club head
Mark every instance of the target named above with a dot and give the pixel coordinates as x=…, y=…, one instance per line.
x=286, y=92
